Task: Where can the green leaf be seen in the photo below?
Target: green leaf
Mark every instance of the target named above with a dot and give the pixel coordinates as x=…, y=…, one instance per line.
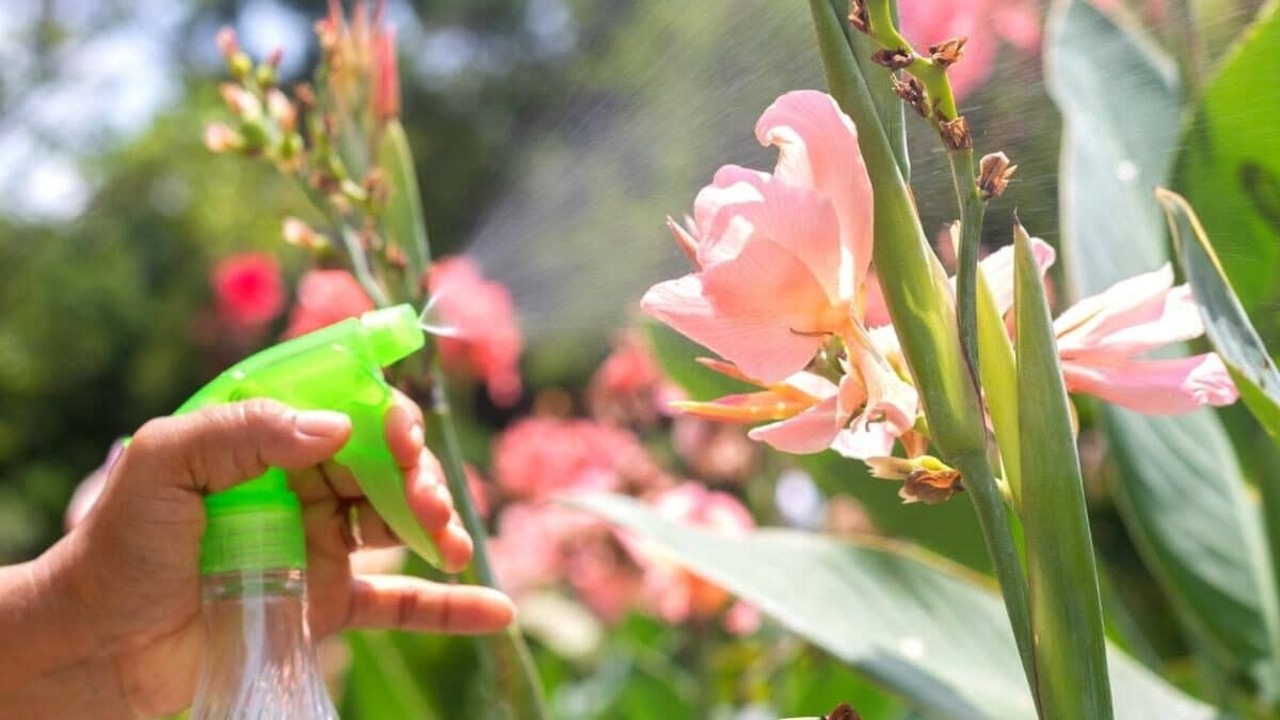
x=1229, y=168
x=1226, y=323
x=1066, y=612
x=380, y=683
x=1179, y=486
x=403, y=221
x=912, y=622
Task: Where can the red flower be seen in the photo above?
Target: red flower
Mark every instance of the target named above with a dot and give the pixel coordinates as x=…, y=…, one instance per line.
x=485, y=341
x=248, y=290
x=324, y=298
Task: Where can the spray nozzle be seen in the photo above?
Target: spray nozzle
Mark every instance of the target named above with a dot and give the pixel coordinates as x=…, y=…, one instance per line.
x=335, y=368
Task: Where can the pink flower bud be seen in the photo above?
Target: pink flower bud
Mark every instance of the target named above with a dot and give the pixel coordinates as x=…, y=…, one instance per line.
x=386, y=76
x=281, y=110
x=219, y=138
x=227, y=42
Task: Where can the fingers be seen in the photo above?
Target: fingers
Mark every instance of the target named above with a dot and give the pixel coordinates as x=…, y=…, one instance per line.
x=395, y=602
x=329, y=527
x=404, y=431
x=215, y=448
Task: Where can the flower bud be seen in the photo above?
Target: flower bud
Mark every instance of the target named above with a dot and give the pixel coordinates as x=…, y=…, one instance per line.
x=219, y=138
x=282, y=111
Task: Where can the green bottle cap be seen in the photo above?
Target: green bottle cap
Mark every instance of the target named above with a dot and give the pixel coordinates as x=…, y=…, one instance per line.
x=253, y=526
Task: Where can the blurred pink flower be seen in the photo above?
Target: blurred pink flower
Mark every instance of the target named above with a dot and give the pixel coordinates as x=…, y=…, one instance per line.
x=780, y=265
x=248, y=290
x=1101, y=340
x=324, y=298
x=539, y=457
x=485, y=341
x=629, y=387
x=676, y=595
x=984, y=22
x=542, y=545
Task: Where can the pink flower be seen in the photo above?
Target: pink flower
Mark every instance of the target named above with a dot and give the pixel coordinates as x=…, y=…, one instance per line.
x=629, y=387
x=780, y=257
x=248, y=289
x=929, y=22
x=677, y=595
x=486, y=341
x=324, y=298
x=539, y=457
x=543, y=545
x=780, y=263
x=1101, y=340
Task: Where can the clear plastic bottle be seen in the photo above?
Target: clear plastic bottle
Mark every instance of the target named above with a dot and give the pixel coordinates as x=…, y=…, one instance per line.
x=259, y=662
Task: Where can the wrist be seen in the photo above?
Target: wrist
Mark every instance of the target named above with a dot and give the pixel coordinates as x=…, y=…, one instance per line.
x=56, y=668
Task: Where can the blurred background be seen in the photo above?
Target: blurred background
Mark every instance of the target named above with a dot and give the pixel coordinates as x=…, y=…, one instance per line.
x=552, y=138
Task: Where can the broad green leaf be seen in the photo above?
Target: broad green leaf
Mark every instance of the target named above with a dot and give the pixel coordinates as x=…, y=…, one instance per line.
x=1226, y=323
x=1066, y=612
x=1179, y=485
x=908, y=620
x=1229, y=167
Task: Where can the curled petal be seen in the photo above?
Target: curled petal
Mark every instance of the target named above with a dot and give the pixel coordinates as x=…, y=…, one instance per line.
x=763, y=311
x=1131, y=317
x=818, y=148
x=1156, y=387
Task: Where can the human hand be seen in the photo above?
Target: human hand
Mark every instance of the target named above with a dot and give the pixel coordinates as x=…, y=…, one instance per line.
x=122, y=589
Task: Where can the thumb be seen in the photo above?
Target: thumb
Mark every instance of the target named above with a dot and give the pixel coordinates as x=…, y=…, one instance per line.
x=217, y=447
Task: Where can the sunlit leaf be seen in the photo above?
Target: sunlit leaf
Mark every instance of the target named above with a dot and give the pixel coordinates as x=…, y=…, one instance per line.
x=1178, y=483
x=1229, y=166
x=1066, y=612
x=1226, y=323
x=911, y=621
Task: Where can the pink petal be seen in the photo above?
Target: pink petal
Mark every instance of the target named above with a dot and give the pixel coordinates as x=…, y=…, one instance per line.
x=1017, y=23
x=997, y=270
x=818, y=148
x=798, y=219
x=1156, y=387
x=1131, y=317
x=720, y=235
x=809, y=432
x=888, y=397
x=756, y=310
x=874, y=440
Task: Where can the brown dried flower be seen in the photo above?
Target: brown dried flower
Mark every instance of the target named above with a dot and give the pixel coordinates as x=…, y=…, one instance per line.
x=955, y=133
x=994, y=173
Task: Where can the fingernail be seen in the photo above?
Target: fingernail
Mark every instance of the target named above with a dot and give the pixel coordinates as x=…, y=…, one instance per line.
x=321, y=423
x=416, y=436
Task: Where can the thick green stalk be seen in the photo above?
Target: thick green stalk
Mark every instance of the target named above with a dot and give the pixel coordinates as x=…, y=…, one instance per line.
x=889, y=107
x=919, y=301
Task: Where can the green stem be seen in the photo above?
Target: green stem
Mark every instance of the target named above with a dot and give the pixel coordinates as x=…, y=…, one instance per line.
x=972, y=209
x=510, y=655
x=993, y=519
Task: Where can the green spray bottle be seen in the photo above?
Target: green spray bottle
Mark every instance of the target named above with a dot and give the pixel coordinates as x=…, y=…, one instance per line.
x=259, y=661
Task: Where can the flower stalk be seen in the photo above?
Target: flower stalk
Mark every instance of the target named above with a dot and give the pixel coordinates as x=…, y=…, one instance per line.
x=919, y=301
